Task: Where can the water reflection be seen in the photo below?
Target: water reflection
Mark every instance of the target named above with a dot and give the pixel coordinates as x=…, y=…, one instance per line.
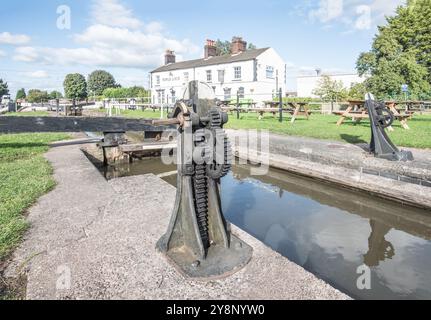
x=331, y=232
x=138, y=167
x=379, y=249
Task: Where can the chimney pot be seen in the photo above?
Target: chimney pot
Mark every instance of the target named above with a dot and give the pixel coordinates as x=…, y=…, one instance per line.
x=210, y=49
x=170, y=57
x=238, y=45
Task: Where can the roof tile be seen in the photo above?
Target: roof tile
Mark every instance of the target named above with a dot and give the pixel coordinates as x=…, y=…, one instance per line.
x=244, y=56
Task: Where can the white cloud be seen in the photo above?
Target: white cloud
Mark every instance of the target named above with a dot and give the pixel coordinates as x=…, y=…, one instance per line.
x=2, y=53
x=328, y=10
x=355, y=14
x=40, y=74
x=154, y=27
x=13, y=39
x=26, y=54
x=112, y=42
x=113, y=13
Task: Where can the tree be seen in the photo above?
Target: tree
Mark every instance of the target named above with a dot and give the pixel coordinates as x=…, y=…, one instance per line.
x=251, y=46
x=330, y=90
x=132, y=92
x=223, y=47
x=400, y=53
x=37, y=96
x=357, y=91
x=55, y=95
x=138, y=92
x=100, y=80
x=75, y=86
x=4, y=89
x=21, y=95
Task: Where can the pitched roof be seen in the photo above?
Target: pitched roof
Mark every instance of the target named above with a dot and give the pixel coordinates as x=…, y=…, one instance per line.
x=228, y=58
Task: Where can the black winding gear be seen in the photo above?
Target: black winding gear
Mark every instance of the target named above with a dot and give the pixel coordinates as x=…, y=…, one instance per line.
x=384, y=120
x=216, y=170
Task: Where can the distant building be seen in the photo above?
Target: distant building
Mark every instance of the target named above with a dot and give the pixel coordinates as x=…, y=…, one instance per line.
x=5, y=99
x=307, y=84
x=255, y=74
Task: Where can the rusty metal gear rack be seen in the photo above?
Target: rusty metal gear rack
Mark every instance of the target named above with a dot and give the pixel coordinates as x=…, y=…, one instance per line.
x=199, y=241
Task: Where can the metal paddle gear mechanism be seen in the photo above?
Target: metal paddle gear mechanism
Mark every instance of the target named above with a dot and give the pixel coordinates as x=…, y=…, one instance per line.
x=381, y=145
x=199, y=241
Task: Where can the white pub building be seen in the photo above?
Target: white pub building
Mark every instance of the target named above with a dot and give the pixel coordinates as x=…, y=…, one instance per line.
x=255, y=74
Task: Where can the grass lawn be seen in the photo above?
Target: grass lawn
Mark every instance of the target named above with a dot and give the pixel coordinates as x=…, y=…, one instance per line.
x=24, y=176
x=321, y=127
x=324, y=127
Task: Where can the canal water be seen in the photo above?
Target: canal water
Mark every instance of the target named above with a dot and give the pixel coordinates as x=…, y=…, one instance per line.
x=334, y=233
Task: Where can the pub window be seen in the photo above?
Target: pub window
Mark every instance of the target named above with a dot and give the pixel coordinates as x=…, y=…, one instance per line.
x=186, y=77
x=237, y=73
x=157, y=80
x=221, y=76
x=209, y=76
x=270, y=72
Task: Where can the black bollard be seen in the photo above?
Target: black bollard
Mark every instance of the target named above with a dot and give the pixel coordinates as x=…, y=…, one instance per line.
x=381, y=145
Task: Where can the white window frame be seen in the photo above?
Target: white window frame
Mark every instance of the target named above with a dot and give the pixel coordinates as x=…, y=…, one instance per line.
x=157, y=80
x=237, y=73
x=220, y=75
x=269, y=72
x=209, y=74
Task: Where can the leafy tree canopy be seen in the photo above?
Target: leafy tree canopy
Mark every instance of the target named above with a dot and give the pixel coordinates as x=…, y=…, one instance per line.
x=401, y=54
x=75, y=86
x=37, y=96
x=100, y=80
x=330, y=90
x=132, y=92
x=224, y=47
x=251, y=46
x=55, y=95
x=357, y=91
x=21, y=94
x=4, y=89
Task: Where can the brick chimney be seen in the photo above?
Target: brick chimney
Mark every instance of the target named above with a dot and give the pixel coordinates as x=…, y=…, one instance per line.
x=210, y=49
x=238, y=45
x=169, y=57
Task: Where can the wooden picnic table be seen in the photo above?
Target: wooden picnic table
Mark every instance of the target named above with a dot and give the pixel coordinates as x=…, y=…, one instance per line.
x=299, y=109
x=357, y=112
x=294, y=108
x=232, y=106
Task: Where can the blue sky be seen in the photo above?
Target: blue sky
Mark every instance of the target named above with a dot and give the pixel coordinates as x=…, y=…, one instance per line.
x=128, y=37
